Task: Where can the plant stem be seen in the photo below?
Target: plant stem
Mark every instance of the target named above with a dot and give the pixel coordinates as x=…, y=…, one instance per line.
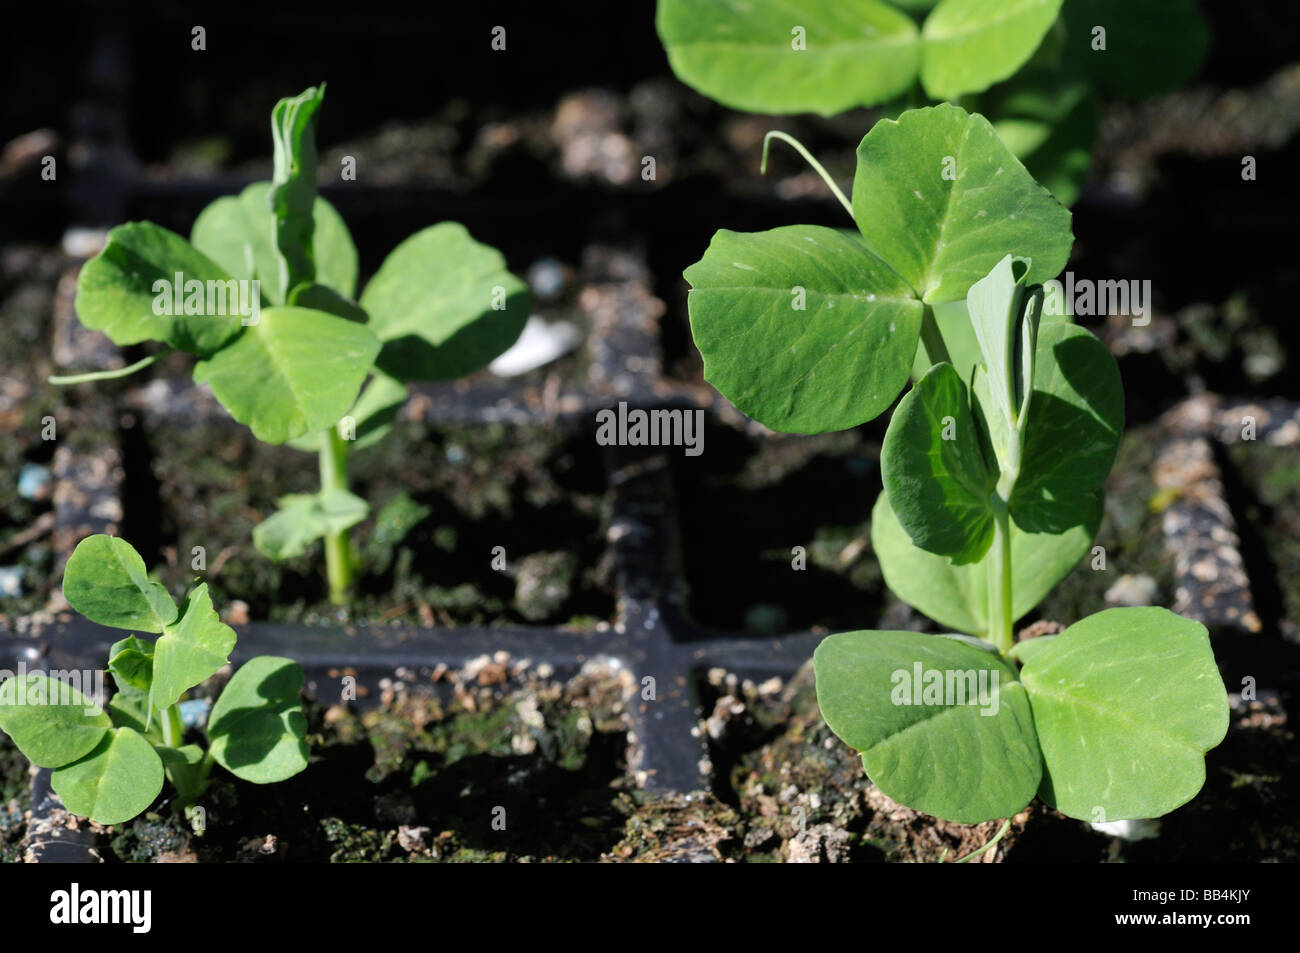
x=936, y=352
x=1006, y=826
x=108, y=375
x=173, y=729
x=999, y=576
x=817, y=166
x=338, y=546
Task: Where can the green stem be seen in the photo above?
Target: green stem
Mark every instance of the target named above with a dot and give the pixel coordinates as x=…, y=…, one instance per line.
x=140, y=365
x=817, y=166
x=338, y=546
x=1006, y=826
x=936, y=352
x=999, y=576
x=173, y=729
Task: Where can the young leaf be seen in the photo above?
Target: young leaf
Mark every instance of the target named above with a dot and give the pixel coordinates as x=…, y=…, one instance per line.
x=304, y=518
x=956, y=596
x=105, y=580
x=184, y=766
x=116, y=292
x=995, y=304
x=444, y=305
x=50, y=735
x=941, y=199
x=114, y=782
x=802, y=327
x=237, y=232
x=1126, y=703
x=934, y=471
x=257, y=727
x=948, y=752
x=293, y=185
x=130, y=709
x=131, y=663
x=972, y=44
x=1075, y=419
x=293, y=372
x=748, y=56
x=190, y=651
x=373, y=415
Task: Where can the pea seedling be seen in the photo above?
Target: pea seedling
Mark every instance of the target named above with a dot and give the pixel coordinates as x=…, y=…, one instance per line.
x=109, y=764
x=1036, y=68
x=290, y=359
x=993, y=467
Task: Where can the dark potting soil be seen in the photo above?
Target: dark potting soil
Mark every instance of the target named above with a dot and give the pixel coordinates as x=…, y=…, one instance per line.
x=443, y=500
x=1270, y=526
x=15, y=799
x=505, y=763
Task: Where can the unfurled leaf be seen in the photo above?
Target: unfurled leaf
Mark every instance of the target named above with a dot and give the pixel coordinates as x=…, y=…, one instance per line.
x=131, y=663
x=106, y=581
x=114, y=782
x=149, y=284
x=1126, y=703
x=52, y=723
x=304, y=518
x=943, y=727
x=257, y=727
x=444, y=305
x=956, y=596
x=1076, y=416
x=372, y=416
x=237, y=233
x=942, y=200
x=934, y=470
x=190, y=651
x=294, y=372
x=972, y=44
x=802, y=328
x=750, y=56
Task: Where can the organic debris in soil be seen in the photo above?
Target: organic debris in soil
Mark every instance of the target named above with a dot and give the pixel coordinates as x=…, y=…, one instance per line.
x=503, y=764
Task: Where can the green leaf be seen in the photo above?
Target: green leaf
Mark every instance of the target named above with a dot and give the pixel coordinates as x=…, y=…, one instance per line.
x=130, y=709
x=444, y=305
x=50, y=735
x=257, y=728
x=106, y=581
x=840, y=360
x=934, y=470
x=744, y=55
x=1076, y=416
x=1151, y=46
x=304, y=518
x=1126, y=703
x=941, y=199
x=128, y=292
x=237, y=232
x=996, y=304
x=115, y=782
x=1062, y=162
x=190, y=651
x=972, y=44
x=294, y=372
x=372, y=416
x=961, y=757
x=184, y=766
x=956, y=596
x=293, y=184
x=131, y=662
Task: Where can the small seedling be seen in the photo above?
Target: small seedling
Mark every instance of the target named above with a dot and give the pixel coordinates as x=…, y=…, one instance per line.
x=109, y=764
x=262, y=294
x=1036, y=68
x=993, y=466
